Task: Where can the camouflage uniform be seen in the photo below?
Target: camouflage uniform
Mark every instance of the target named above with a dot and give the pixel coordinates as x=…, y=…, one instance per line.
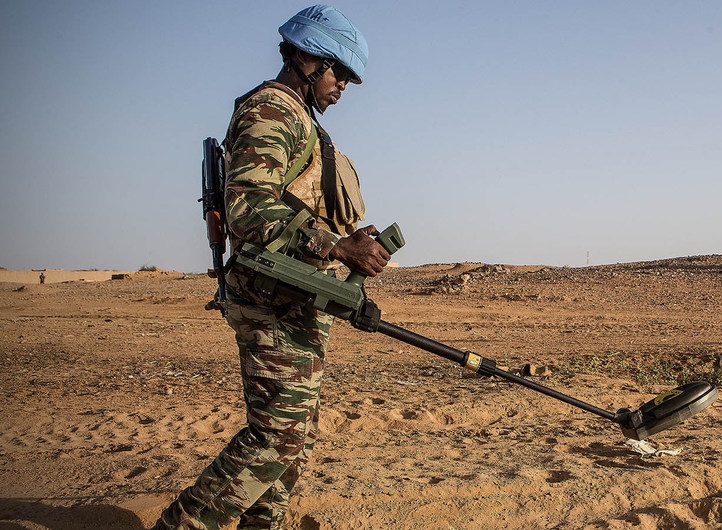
x=282, y=343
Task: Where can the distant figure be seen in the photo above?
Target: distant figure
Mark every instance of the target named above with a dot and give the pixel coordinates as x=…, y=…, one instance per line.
x=42, y=277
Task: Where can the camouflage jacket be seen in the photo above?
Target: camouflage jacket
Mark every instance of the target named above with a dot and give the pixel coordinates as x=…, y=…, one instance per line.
x=267, y=134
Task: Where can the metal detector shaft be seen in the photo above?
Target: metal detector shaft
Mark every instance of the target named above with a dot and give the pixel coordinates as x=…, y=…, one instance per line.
x=476, y=363
x=277, y=273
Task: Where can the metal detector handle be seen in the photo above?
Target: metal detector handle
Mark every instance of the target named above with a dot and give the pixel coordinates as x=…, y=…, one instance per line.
x=391, y=239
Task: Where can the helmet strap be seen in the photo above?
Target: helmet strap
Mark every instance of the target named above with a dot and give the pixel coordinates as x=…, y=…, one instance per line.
x=318, y=74
x=311, y=79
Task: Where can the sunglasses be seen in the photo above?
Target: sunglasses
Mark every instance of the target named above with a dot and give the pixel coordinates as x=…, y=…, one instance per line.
x=341, y=73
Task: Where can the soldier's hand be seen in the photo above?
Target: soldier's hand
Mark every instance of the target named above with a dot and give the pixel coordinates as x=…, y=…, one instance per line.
x=361, y=253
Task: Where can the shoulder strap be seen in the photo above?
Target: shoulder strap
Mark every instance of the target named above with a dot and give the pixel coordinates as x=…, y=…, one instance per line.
x=303, y=213
x=328, y=174
x=295, y=169
x=297, y=205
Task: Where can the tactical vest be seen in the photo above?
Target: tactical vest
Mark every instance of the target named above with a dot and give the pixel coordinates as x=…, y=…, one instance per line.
x=350, y=207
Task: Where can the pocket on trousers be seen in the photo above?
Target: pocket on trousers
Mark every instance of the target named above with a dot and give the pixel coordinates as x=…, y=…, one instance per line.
x=255, y=326
x=280, y=366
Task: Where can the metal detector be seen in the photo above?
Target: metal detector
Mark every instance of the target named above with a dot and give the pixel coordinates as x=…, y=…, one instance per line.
x=347, y=299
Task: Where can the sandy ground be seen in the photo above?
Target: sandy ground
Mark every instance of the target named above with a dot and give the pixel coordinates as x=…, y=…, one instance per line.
x=116, y=394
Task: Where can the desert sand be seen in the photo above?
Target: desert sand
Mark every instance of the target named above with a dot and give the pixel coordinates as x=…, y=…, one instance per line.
x=116, y=394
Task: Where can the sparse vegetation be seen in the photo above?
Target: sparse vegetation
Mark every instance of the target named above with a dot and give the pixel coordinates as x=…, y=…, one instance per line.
x=652, y=368
x=148, y=268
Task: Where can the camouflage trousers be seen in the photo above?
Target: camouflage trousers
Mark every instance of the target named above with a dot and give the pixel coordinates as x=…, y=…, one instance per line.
x=282, y=354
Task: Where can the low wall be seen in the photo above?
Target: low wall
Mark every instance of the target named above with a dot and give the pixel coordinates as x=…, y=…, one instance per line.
x=57, y=276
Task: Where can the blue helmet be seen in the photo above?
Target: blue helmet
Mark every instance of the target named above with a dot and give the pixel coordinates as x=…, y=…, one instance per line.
x=323, y=31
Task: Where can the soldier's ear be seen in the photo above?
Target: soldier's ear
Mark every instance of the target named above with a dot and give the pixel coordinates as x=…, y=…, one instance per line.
x=304, y=58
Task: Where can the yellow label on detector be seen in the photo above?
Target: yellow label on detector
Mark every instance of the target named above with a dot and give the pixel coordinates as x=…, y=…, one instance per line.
x=666, y=396
x=473, y=361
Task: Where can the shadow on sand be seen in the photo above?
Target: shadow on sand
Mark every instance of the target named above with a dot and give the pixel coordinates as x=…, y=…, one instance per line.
x=16, y=513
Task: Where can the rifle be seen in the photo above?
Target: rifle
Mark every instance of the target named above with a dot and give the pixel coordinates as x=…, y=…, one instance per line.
x=214, y=214
x=347, y=300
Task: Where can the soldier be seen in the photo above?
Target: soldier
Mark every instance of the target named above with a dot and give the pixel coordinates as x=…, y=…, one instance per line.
x=282, y=343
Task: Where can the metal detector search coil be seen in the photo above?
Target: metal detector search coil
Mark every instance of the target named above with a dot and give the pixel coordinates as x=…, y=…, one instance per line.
x=666, y=410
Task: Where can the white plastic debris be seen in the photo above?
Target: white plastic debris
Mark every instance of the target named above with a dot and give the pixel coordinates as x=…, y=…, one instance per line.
x=644, y=448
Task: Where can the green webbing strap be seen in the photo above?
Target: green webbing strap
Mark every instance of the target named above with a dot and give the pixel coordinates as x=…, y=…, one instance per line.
x=289, y=231
x=295, y=169
x=291, y=175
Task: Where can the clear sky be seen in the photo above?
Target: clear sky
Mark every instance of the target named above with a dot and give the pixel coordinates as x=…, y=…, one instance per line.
x=519, y=132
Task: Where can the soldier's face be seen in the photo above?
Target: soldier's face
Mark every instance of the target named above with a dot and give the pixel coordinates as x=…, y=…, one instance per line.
x=328, y=89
